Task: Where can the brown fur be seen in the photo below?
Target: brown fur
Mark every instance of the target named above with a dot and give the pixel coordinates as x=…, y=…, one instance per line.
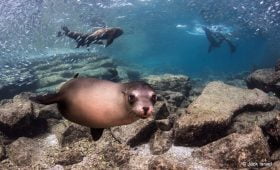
x=100, y=103
x=97, y=37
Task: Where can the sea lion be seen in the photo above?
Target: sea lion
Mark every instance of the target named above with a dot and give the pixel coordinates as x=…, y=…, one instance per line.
x=101, y=104
x=104, y=36
x=216, y=39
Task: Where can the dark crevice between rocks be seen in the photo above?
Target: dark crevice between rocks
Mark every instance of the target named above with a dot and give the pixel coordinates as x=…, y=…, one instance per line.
x=272, y=131
x=275, y=88
x=3, y=155
x=208, y=133
x=27, y=127
x=250, y=108
x=144, y=135
x=254, y=108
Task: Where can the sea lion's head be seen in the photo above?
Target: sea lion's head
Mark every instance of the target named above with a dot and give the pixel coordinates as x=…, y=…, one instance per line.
x=117, y=32
x=140, y=98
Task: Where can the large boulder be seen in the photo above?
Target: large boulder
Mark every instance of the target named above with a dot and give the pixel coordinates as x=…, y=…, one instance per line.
x=236, y=151
x=20, y=117
x=272, y=130
x=176, y=83
x=209, y=116
x=267, y=80
x=31, y=152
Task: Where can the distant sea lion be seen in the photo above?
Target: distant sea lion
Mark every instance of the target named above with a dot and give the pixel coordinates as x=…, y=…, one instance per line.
x=103, y=36
x=101, y=104
x=216, y=39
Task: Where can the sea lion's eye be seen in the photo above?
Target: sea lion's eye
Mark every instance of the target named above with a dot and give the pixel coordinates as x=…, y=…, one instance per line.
x=131, y=98
x=154, y=98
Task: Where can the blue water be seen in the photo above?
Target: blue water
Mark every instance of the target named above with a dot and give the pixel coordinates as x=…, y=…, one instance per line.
x=161, y=36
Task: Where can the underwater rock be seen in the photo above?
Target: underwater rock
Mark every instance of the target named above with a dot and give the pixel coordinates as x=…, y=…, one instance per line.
x=100, y=73
x=68, y=132
x=272, y=130
x=277, y=66
x=128, y=74
x=27, y=152
x=105, y=155
x=48, y=111
x=265, y=79
x=118, y=154
x=2, y=152
x=161, y=142
x=173, y=98
x=57, y=167
x=235, y=151
x=162, y=162
x=275, y=166
x=175, y=157
x=276, y=155
x=237, y=83
x=176, y=83
x=21, y=151
x=74, y=132
x=246, y=120
x=69, y=156
x=59, y=70
x=243, y=122
x=209, y=116
x=161, y=110
x=136, y=133
x=15, y=110
x=51, y=80
x=19, y=117
x=164, y=124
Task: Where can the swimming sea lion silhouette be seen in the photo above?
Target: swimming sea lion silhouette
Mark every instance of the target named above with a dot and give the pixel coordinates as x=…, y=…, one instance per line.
x=104, y=36
x=216, y=39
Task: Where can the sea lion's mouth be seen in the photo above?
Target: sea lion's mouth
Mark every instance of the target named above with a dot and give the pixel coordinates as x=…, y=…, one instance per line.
x=143, y=116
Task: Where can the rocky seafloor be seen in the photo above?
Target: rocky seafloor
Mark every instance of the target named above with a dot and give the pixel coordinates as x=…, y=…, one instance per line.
x=197, y=124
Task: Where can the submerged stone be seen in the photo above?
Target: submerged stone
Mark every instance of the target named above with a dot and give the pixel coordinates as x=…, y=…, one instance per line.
x=209, y=116
x=175, y=83
x=236, y=151
x=267, y=80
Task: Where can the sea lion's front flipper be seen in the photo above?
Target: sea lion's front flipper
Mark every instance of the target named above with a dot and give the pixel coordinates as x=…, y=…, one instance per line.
x=96, y=133
x=109, y=42
x=232, y=47
x=46, y=99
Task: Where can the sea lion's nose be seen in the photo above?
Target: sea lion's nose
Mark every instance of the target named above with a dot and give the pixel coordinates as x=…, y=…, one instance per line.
x=145, y=109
